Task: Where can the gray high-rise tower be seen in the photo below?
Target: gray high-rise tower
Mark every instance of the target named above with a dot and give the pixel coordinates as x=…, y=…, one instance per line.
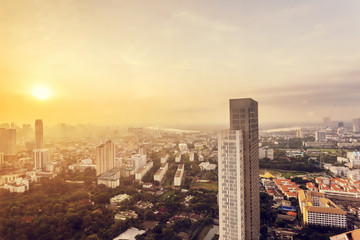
x=239, y=202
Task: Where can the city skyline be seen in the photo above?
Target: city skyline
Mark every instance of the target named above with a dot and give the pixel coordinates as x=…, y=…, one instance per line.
x=178, y=63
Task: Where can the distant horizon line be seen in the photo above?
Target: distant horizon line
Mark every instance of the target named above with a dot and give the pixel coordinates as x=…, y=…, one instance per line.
x=264, y=125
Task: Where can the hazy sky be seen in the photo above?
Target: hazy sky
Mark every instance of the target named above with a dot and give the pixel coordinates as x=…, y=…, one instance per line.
x=169, y=62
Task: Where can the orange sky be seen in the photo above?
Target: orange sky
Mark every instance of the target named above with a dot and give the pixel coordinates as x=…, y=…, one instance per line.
x=173, y=62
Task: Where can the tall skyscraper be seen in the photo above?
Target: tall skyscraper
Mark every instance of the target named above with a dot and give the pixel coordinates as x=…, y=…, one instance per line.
x=105, y=157
x=239, y=200
x=39, y=142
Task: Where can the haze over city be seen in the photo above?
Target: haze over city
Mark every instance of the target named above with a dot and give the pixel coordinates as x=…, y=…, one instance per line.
x=178, y=62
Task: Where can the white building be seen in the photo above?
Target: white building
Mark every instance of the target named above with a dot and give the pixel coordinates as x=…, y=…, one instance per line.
x=339, y=171
x=105, y=157
x=82, y=165
x=231, y=207
x=320, y=136
x=119, y=198
x=266, y=152
x=178, y=158
x=319, y=210
x=354, y=159
x=342, y=160
x=191, y=156
x=139, y=161
x=18, y=185
x=110, y=178
x=141, y=172
x=41, y=159
x=159, y=175
x=294, y=153
x=179, y=175
x=183, y=147
x=207, y=166
x=354, y=175
x=164, y=159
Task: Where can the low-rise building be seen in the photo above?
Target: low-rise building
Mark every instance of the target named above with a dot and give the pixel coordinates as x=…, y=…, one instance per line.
x=119, y=198
x=294, y=153
x=319, y=210
x=164, y=159
x=352, y=235
x=354, y=159
x=141, y=172
x=178, y=158
x=123, y=215
x=110, y=178
x=266, y=152
x=311, y=186
x=159, y=175
x=207, y=166
x=191, y=156
x=18, y=185
x=144, y=205
x=287, y=187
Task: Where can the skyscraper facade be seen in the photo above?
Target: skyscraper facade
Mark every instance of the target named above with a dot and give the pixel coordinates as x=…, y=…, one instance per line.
x=239, y=200
x=105, y=157
x=39, y=142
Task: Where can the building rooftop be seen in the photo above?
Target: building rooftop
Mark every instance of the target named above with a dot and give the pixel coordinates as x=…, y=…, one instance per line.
x=330, y=210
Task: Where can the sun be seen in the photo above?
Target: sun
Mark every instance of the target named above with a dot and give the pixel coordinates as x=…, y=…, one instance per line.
x=41, y=92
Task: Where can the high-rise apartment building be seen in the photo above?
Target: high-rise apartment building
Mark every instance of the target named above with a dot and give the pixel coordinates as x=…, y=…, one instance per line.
x=239, y=202
x=8, y=141
x=39, y=142
x=105, y=157
x=41, y=159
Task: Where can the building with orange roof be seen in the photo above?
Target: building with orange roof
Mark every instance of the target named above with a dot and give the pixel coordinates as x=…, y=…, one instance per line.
x=352, y=235
x=319, y=210
x=311, y=186
x=336, y=188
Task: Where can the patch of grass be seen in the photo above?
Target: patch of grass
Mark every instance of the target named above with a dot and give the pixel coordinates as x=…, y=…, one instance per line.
x=332, y=150
x=167, y=194
x=292, y=174
x=212, y=186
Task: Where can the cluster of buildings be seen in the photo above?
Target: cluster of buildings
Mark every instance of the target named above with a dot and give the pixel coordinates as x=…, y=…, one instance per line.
x=43, y=166
x=328, y=185
x=287, y=187
x=318, y=210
